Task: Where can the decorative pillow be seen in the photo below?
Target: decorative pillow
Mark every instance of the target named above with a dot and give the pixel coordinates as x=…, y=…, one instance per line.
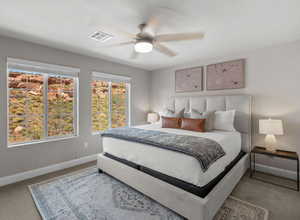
x=171, y=114
x=170, y=122
x=224, y=120
x=193, y=124
x=209, y=116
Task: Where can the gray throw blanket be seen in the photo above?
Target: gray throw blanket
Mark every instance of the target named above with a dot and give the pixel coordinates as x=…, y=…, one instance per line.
x=205, y=150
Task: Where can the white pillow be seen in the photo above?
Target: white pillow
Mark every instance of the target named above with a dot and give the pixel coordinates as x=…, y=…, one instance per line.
x=224, y=120
x=172, y=114
x=208, y=116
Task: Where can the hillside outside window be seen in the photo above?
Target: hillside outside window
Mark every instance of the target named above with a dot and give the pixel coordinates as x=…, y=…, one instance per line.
x=42, y=102
x=110, y=101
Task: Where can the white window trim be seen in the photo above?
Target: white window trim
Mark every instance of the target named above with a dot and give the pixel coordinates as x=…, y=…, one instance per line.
x=46, y=70
x=113, y=78
x=21, y=144
x=41, y=67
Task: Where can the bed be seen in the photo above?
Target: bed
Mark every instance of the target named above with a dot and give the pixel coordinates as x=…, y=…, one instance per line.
x=175, y=179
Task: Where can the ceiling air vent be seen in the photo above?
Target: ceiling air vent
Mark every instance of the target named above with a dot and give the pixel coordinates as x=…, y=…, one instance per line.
x=101, y=36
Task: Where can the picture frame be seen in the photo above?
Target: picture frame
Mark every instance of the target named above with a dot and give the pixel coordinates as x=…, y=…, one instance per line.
x=189, y=79
x=226, y=75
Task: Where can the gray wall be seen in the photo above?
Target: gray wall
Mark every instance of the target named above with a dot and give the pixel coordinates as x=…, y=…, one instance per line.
x=272, y=78
x=19, y=159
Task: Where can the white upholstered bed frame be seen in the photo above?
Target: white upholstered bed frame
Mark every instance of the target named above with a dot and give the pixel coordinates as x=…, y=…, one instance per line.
x=182, y=202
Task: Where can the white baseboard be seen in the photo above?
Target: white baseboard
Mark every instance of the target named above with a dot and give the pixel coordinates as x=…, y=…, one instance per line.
x=276, y=171
x=44, y=170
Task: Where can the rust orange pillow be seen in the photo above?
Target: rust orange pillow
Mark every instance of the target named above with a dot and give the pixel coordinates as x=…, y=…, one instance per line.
x=193, y=124
x=170, y=122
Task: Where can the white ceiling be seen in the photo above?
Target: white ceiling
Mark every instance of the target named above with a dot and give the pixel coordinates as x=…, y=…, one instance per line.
x=230, y=26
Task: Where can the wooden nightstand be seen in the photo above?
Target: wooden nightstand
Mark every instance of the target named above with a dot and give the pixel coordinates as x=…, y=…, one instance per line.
x=278, y=153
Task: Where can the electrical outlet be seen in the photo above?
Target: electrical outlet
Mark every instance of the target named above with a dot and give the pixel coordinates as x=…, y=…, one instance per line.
x=86, y=144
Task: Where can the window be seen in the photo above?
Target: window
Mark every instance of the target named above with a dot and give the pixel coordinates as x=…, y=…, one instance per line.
x=110, y=101
x=42, y=101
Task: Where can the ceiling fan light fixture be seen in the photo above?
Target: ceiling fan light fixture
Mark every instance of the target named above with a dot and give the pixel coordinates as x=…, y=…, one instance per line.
x=143, y=46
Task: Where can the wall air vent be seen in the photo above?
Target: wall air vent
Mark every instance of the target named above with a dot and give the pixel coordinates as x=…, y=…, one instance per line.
x=101, y=36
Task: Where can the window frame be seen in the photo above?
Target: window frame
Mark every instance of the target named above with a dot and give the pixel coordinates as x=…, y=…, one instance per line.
x=111, y=78
x=46, y=70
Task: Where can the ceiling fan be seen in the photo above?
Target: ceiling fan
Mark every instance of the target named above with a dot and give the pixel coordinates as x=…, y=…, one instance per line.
x=146, y=40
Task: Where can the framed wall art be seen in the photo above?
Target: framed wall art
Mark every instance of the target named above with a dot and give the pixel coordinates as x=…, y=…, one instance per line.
x=189, y=80
x=226, y=75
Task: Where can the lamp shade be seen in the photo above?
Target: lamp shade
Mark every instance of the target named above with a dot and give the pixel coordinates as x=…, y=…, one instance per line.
x=270, y=126
x=152, y=117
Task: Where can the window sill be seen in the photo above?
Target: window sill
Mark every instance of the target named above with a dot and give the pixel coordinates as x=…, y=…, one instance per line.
x=100, y=132
x=42, y=141
x=97, y=133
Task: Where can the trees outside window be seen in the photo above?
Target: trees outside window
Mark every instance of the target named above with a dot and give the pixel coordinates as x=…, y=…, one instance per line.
x=110, y=104
x=41, y=105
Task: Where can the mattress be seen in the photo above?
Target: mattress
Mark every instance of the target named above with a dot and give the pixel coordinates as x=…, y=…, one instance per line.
x=175, y=164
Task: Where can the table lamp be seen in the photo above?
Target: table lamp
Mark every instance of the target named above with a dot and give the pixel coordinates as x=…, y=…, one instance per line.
x=152, y=117
x=270, y=128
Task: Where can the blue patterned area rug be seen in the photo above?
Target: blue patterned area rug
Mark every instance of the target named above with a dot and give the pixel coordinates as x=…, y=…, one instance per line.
x=88, y=195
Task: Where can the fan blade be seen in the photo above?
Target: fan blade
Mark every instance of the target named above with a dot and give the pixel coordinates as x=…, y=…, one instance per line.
x=159, y=16
x=124, y=33
x=179, y=37
x=152, y=23
x=120, y=44
x=134, y=55
x=116, y=32
x=163, y=49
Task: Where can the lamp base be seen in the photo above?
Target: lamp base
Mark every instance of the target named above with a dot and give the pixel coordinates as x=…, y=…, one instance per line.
x=270, y=143
x=271, y=149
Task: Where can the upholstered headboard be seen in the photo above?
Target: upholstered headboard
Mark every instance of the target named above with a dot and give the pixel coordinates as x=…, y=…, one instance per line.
x=241, y=103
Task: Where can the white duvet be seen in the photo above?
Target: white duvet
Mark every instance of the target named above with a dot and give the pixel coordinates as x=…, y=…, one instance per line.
x=175, y=164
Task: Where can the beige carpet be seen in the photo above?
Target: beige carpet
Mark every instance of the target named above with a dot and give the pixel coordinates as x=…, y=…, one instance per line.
x=283, y=204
